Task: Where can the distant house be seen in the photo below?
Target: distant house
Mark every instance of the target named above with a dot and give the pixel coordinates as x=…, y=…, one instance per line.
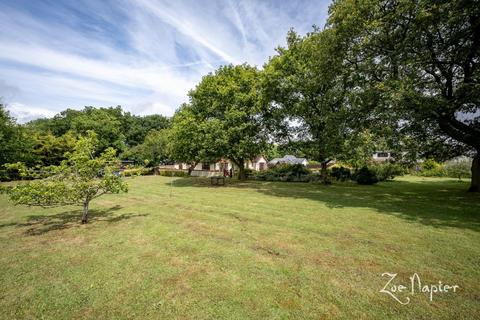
x=382, y=156
x=288, y=159
x=257, y=164
x=215, y=168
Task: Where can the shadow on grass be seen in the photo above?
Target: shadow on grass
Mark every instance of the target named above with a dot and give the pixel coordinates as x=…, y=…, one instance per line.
x=41, y=224
x=442, y=203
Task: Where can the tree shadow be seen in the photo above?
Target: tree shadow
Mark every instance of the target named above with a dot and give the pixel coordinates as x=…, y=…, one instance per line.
x=433, y=203
x=41, y=224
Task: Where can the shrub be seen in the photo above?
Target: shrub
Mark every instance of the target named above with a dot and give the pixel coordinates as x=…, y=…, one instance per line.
x=341, y=173
x=430, y=168
x=285, y=172
x=248, y=173
x=173, y=173
x=458, y=168
x=365, y=176
x=139, y=171
x=18, y=171
x=387, y=171
x=430, y=164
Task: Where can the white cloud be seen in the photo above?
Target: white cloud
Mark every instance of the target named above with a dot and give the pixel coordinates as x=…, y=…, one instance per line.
x=25, y=113
x=144, y=55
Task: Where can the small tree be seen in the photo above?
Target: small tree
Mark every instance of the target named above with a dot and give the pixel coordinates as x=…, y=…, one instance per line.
x=76, y=181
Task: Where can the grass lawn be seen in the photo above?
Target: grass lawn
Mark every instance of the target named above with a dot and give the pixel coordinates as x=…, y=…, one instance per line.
x=249, y=250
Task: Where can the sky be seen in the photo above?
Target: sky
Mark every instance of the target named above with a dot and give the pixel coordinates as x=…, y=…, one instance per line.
x=144, y=55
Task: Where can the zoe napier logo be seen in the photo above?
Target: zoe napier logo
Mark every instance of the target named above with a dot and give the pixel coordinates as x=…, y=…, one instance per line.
x=401, y=292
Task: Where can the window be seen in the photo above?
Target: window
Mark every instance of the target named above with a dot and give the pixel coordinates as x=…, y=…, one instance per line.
x=262, y=166
x=382, y=154
x=206, y=166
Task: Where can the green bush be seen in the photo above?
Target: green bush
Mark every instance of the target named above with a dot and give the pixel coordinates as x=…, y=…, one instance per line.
x=458, y=168
x=249, y=173
x=139, y=171
x=285, y=172
x=173, y=173
x=430, y=164
x=341, y=173
x=429, y=168
x=387, y=171
x=365, y=176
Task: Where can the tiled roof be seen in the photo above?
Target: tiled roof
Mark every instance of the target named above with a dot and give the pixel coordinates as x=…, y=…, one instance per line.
x=288, y=159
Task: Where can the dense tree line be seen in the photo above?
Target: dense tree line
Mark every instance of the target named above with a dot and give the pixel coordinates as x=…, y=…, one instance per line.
x=44, y=141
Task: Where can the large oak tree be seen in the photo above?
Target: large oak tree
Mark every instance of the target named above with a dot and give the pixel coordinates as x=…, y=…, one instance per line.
x=421, y=60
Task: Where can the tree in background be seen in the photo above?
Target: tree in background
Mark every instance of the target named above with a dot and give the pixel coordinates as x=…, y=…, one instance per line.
x=305, y=84
x=115, y=128
x=227, y=108
x=358, y=150
x=153, y=150
x=191, y=140
x=136, y=128
x=15, y=145
x=78, y=180
x=49, y=149
x=420, y=60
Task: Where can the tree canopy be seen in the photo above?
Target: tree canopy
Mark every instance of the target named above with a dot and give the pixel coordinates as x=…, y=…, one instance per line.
x=226, y=113
x=420, y=60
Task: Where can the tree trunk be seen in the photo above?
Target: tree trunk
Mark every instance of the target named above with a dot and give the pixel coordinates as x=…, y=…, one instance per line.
x=191, y=167
x=323, y=171
x=475, y=182
x=241, y=172
x=85, y=213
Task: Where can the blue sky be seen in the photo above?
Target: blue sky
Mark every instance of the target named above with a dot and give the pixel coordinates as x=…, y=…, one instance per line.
x=142, y=54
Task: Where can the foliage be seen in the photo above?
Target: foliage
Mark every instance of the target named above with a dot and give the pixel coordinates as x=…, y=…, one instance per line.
x=415, y=67
x=285, y=172
x=153, y=151
x=365, y=176
x=173, y=173
x=248, y=173
x=341, y=173
x=192, y=141
x=303, y=83
x=430, y=164
x=114, y=127
x=49, y=149
x=224, y=116
x=138, y=128
x=272, y=151
x=12, y=171
x=358, y=150
x=15, y=144
x=387, y=171
x=76, y=181
x=430, y=168
x=139, y=171
x=458, y=168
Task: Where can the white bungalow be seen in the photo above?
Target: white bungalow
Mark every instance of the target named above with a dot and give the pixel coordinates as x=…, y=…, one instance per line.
x=208, y=169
